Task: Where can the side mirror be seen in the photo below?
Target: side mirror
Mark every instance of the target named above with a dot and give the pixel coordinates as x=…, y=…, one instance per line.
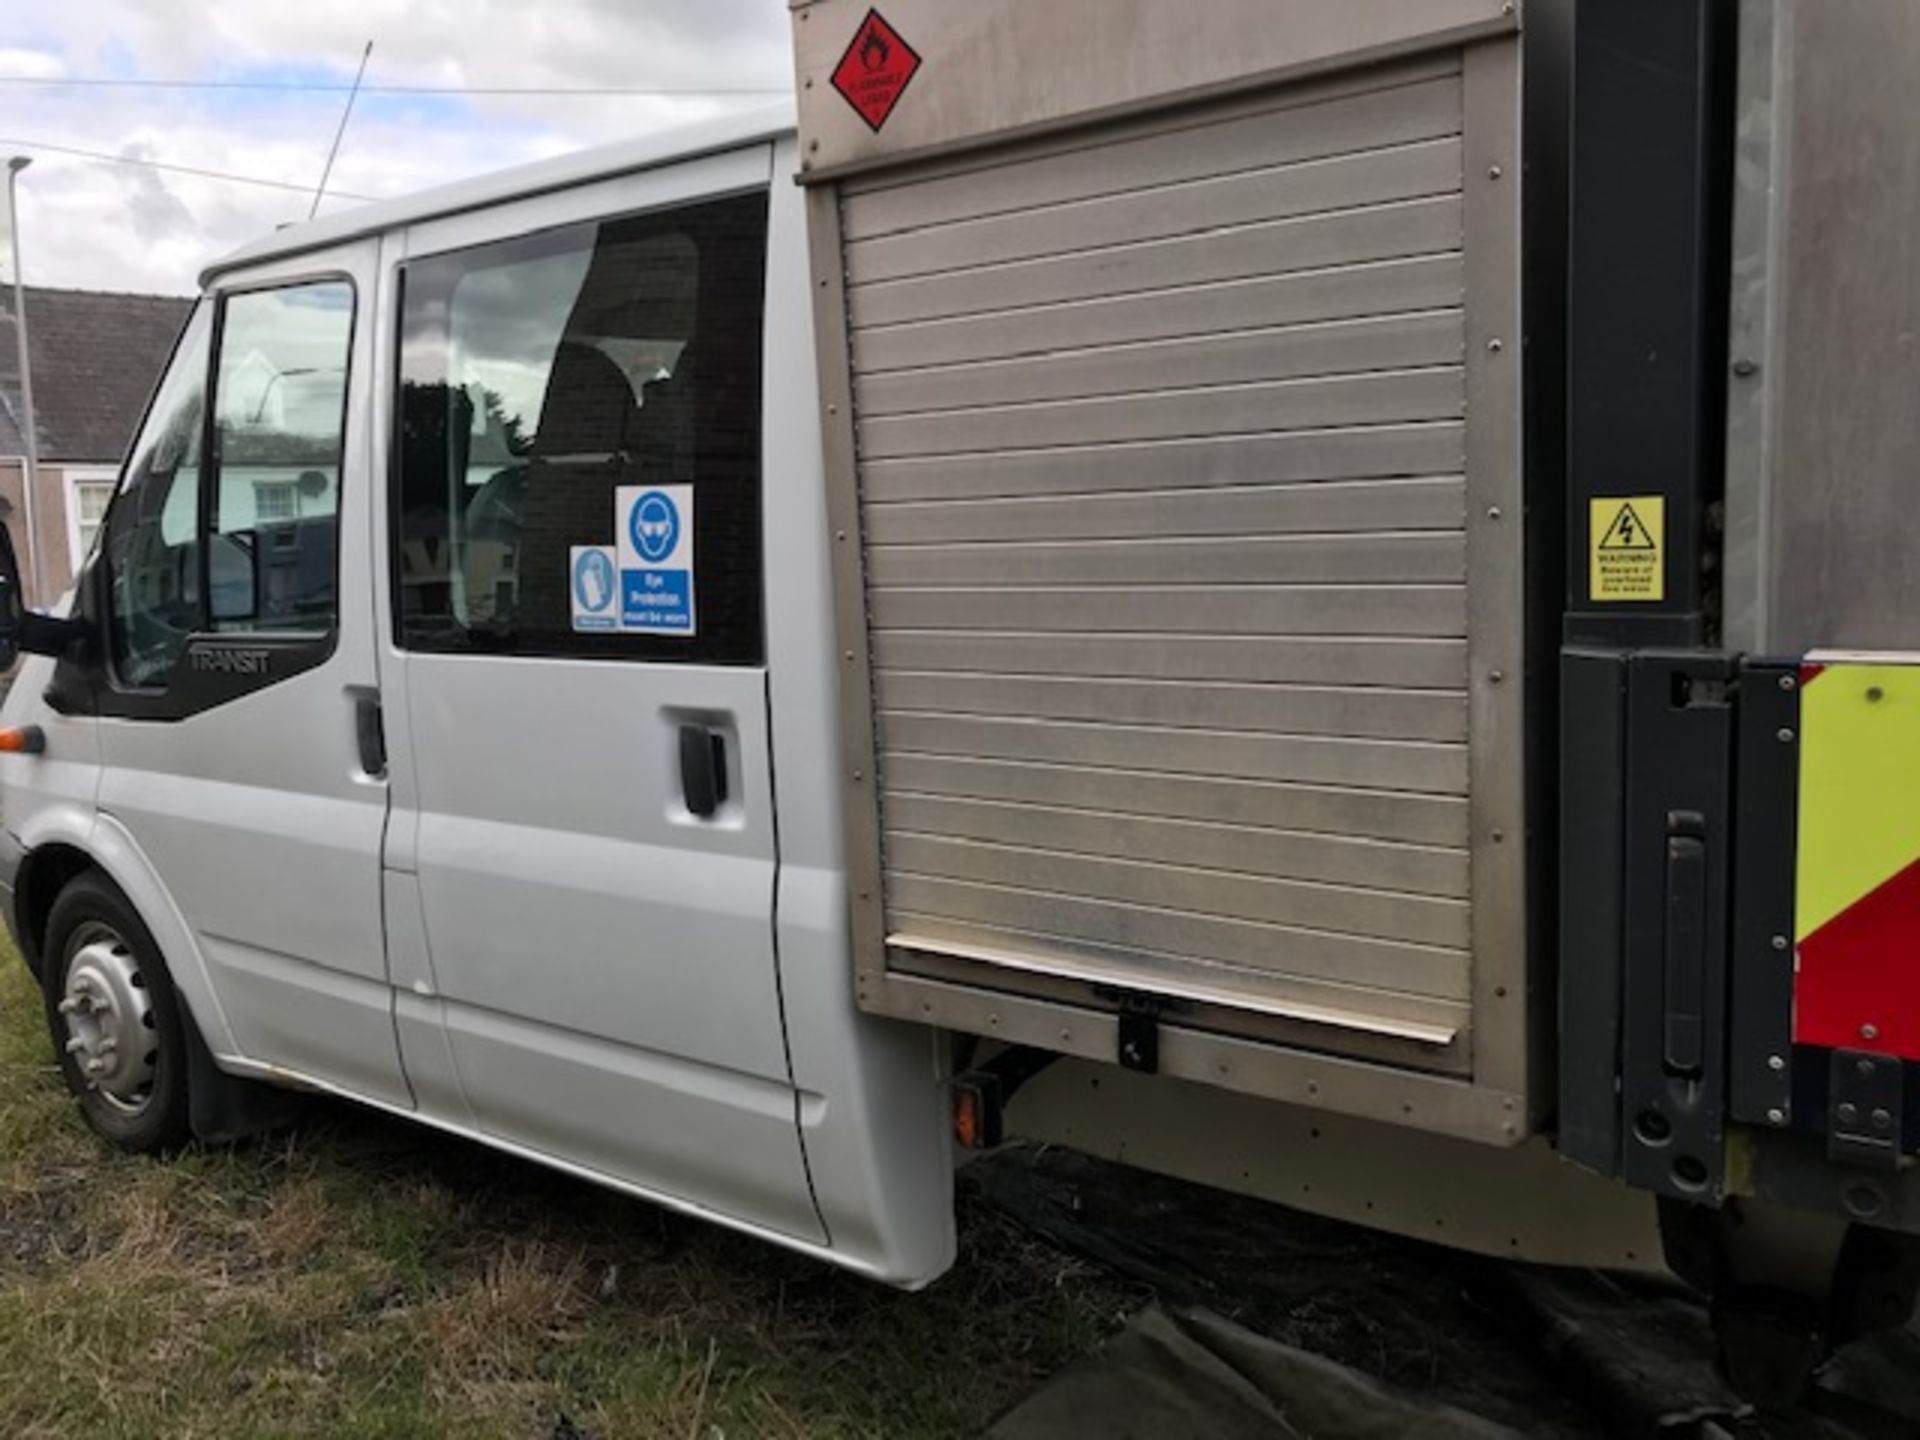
x=24, y=629
x=13, y=607
x=233, y=567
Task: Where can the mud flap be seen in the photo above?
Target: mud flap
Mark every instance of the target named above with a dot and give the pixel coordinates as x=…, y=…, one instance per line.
x=223, y=1108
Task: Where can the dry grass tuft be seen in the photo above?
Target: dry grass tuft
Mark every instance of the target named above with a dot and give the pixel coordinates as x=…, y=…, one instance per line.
x=298, y=1218
x=525, y=1295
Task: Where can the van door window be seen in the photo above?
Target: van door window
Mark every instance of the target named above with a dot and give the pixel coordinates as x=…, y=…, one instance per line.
x=153, y=528
x=280, y=423
x=264, y=560
x=540, y=375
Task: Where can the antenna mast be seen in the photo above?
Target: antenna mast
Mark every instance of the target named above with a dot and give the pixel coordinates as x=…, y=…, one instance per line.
x=345, y=115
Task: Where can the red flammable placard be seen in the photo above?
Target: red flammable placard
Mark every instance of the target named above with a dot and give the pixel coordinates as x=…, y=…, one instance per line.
x=875, y=70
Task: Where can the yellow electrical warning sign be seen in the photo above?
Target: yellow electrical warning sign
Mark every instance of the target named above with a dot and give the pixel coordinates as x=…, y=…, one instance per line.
x=1629, y=537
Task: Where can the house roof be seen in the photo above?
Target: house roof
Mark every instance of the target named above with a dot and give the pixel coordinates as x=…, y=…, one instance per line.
x=96, y=356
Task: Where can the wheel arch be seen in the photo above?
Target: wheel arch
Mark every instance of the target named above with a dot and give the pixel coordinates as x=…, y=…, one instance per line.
x=44, y=873
x=55, y=856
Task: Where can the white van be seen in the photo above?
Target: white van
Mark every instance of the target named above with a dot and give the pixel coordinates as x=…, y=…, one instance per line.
x=366, y=771
x=1239, y=578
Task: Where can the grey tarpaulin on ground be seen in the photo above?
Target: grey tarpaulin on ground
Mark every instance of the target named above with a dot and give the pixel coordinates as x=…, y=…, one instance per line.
x=1192, y=1373
x=1429, y=1334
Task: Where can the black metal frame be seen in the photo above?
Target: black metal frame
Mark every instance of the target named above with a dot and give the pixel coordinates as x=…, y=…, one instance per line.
x=1593, y=784
x=1645, y=733
x=1651, y=215
x=1546, y=87
x=1676, y=874
x=1760, y=1045
x=1678, y=763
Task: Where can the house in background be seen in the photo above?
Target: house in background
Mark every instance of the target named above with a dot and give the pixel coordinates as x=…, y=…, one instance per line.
x=96, y=357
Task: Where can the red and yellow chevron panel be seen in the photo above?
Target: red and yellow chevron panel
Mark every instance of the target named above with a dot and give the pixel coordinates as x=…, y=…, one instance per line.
x=1857, y=883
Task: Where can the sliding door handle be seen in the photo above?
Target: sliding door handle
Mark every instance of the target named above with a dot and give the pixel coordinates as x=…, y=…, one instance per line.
x=370, y=734
x=703, y=770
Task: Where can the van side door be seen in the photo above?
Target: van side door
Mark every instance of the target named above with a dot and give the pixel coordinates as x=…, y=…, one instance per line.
x=233, y=594
x=584, y=832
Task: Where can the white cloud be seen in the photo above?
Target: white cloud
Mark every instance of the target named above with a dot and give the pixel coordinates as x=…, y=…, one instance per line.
x=36, y=64
x=96, y=224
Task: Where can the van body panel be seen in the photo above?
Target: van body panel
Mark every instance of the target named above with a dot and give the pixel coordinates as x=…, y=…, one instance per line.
x=603, y=959
x=684, y=182
x=50, y=796
x=680, y=1204
x=508, y=918
x=559, y=869
x=875, y=1126
x=602, y=956
x=113, y=848
x=419, y=1020
x=723, y=1140
x=256, y=814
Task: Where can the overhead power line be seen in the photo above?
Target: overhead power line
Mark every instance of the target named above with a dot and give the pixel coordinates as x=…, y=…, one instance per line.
x=325, y=87
x=196, y=170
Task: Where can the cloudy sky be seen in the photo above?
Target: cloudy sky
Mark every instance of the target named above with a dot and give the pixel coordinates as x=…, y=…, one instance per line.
x=111, y=226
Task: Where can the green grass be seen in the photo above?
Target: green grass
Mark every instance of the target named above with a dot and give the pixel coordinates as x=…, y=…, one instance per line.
x=359, y=1276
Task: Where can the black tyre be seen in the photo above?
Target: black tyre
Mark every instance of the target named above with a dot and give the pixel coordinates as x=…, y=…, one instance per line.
x=117, y=1027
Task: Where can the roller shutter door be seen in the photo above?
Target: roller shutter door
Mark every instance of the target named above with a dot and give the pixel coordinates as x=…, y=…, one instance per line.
x=1163, y=447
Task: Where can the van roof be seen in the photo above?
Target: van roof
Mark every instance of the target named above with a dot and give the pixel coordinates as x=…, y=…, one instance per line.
x=683, y=142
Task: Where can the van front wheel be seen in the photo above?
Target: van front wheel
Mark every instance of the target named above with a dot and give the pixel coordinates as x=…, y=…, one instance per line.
x=115, y=1019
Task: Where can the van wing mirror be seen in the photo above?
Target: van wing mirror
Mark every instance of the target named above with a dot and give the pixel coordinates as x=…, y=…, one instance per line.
x=24, y=629
x=13, y=605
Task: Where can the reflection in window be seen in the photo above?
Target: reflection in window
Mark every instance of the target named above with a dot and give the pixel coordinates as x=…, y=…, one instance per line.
x=541, y=374
x=281, y=415
x=274, y=500
x=89, y=499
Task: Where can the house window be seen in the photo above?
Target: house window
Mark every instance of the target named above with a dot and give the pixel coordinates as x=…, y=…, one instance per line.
x=273, y=502
x=88, y=493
